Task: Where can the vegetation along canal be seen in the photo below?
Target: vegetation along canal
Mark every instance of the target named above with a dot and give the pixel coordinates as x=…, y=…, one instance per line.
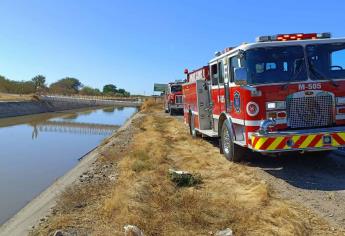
x=36, y=150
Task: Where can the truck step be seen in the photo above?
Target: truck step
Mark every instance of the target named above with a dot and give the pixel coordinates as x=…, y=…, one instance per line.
x=208, y=132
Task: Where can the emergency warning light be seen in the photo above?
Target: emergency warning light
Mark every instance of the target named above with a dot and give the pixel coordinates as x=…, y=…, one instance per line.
x=289, y=37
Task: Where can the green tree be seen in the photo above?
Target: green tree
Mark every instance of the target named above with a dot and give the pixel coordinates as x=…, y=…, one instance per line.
x=66, y=86
x=18, y=87
x=109, y=89
x=39, y=81
x=122, y=92
x=90, y=91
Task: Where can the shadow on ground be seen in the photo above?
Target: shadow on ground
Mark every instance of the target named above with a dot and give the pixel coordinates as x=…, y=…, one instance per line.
x=312, y=171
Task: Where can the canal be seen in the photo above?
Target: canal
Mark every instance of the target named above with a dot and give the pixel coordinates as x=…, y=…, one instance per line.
x=36, y=150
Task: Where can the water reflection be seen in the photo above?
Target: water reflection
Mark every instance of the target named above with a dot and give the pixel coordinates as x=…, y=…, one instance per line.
x=112, y=109
x=72, y=116
x=72, y=128
x=36, y=150
x=109, y=109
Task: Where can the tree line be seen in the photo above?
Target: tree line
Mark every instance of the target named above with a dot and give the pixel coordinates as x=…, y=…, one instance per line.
x=65, y=86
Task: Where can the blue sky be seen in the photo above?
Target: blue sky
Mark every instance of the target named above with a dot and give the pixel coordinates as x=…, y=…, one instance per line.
x=135, y=43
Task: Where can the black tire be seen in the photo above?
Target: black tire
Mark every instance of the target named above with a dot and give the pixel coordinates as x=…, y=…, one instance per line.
x=190, y=122
x=172, y=111
x=192, y=130
x=230, y=150
x=169, y=109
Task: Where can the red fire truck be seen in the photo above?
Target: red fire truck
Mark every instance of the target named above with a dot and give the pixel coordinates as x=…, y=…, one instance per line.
x=173, y=100
x=282, y=93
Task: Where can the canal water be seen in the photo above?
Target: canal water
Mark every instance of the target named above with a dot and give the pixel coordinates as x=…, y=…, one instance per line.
x=36, y=150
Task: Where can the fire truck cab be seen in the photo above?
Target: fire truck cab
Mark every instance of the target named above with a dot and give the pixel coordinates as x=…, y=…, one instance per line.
x=282, y=93
x=173, y=99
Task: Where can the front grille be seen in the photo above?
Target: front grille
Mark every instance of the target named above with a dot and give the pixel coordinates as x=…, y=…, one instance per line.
x=308, y=112
x=178, y=99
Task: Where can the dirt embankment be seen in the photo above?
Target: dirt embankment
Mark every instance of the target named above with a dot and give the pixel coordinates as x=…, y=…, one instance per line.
x=129, y=184
x=11, y=109
x=15, y=97
x=56, y=103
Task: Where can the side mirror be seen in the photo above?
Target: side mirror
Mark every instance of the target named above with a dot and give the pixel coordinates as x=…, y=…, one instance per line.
x=241, y=76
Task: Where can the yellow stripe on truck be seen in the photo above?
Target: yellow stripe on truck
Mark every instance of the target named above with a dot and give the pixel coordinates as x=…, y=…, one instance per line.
x=275, y=143
x=260, y=142
x=319, y=144
x=307, y=141
x=342, y=135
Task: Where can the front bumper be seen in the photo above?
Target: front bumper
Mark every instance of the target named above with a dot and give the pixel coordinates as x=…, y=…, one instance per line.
x=176, y=106
x=299, y=140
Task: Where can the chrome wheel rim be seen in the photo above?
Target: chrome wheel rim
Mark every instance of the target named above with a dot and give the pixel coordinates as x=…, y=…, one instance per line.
x=226, y=141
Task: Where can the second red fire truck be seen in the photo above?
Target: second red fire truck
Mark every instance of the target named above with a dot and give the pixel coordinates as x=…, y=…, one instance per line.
x=173, y=98
x=282, y=93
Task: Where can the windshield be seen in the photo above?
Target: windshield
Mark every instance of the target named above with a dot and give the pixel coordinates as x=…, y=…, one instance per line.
x=176, y=88
x=275, y=64
x=326, y=61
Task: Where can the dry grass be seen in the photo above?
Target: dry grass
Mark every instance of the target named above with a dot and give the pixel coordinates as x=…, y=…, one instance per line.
x=230, y=195
x=152, y=104
x=15, y=97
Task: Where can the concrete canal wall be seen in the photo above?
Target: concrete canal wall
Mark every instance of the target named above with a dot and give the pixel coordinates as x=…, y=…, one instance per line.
x=53, y=104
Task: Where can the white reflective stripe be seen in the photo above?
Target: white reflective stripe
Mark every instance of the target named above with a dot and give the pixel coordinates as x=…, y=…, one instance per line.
x=195, y=113
x=214, y=87
x=340, y=117
x=237, y=121
x=255, y=122
x=252, y=122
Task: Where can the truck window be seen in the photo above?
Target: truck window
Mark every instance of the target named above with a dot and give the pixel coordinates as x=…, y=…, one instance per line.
x=275, y=64
x=233, y=61
x=221, y=73
x=214, y=74
x=176, y=88
x=338, y=60
x=263, y=67
x=327, y=61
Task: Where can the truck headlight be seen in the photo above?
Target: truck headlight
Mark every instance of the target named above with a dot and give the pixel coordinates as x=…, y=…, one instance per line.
x=340, y=100
x=278, y=105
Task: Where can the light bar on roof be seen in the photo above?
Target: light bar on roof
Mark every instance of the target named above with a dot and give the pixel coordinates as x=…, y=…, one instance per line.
x=291, y=37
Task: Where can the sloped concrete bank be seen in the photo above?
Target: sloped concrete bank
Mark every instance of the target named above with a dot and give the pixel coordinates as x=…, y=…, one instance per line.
x=11, y=109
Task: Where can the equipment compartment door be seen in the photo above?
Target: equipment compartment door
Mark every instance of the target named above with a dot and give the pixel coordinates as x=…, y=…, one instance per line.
x=204, y=108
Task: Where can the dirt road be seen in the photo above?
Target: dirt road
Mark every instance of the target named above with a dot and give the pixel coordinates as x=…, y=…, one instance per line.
x=316, y=181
